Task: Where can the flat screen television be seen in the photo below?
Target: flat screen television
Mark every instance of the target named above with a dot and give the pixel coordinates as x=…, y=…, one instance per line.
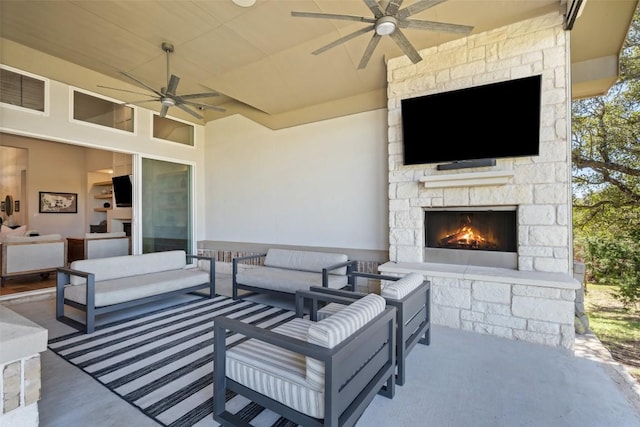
x=483, y=122
x=122, y=190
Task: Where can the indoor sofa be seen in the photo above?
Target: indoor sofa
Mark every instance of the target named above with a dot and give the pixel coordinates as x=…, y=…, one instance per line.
x=285, y=271
x=103, y=285
x=99, y=245
x=23, y=255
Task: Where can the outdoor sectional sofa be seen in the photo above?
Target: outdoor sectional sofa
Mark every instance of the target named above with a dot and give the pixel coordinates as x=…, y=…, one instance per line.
x=285, y=271
x=103, y=285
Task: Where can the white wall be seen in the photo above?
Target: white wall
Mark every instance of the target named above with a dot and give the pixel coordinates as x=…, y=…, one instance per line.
x=322, y=184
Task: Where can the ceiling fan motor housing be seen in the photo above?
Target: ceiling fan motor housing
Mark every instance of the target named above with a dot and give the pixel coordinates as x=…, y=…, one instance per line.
x=167, y=47
x=386, y=25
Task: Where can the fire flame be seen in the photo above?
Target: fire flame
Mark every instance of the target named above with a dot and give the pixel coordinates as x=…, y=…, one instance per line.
x=465, y=237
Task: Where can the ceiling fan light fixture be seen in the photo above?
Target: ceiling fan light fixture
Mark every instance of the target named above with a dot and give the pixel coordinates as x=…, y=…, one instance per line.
x=244, y=3
x=386, y=25
x=168, y=102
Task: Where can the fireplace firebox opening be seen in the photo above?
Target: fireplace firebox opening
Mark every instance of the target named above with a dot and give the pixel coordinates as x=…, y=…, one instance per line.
x=485, y=236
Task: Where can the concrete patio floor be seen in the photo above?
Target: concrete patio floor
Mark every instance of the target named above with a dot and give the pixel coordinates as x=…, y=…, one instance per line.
x=462, y=379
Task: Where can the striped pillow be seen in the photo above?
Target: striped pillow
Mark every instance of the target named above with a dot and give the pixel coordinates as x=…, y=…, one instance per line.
x=401, y=288
x=335, y=329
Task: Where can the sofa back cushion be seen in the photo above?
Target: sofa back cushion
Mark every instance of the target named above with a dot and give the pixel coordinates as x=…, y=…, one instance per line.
x=129, y=265
x=335, y=329
x=105, y=235
x=403, y=286
x=304, y=260
x=45, y=238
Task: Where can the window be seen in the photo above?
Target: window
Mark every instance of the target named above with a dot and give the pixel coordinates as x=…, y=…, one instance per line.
x=21, y=90
x=102, y=112
x=172, y=130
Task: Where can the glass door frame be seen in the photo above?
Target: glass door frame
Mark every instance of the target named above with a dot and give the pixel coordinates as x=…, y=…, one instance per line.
x=137, y=235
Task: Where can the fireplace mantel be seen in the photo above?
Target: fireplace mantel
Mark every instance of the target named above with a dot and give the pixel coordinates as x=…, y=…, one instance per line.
x=469, y=179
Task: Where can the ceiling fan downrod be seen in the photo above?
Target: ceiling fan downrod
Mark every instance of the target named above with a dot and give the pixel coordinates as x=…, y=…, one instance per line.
x=168, y=48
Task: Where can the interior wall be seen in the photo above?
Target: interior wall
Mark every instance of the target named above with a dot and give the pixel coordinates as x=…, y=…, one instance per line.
x=322, y=184
x=56, y=168
x=13, y=163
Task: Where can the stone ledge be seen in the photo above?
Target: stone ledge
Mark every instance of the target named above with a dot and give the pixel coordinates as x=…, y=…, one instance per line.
x=489, y=274
x=469, y=179
x=19, y=337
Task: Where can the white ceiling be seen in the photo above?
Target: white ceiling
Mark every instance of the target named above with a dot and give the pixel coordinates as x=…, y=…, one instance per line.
x=259, y=57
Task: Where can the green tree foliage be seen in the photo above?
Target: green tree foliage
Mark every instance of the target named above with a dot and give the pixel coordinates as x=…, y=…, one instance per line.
x=606, y=177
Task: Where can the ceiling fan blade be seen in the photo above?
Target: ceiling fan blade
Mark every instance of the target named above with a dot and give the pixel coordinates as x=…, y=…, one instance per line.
x=198, y=95
x=406, y=46
x=206, y=106
x=374, y=7
x=189, y=110
x=173, y=85
x=163, y=110
x=435, y=26
x=343, y=39
x=392, y=7
x=375, y=39
x=141, y=83
x=332, y=16
x=416, y=7
x=141, y=101
x=125, y=90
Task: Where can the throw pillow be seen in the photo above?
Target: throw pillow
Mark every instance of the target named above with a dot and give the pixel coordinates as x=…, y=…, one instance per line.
x=8, y=231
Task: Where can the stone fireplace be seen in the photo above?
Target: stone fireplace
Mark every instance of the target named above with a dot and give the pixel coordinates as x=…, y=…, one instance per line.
x=516, y=283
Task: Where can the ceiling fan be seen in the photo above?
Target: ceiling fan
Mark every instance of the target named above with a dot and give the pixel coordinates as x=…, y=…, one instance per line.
x=167, y=95
x=387, y=20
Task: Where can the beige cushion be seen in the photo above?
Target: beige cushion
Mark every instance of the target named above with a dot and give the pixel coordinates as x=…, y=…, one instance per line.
x=276, y=372
x=124, y=289
x=285, y=280
x=129, y=265
x=402, y=287
x=45, y=238
x=333, y=330
x=105, y=235
x=304, y=260
x=329, y=309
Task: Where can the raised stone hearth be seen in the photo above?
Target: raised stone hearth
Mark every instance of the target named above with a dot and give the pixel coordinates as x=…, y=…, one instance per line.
x=533, y=300
x=529, y=306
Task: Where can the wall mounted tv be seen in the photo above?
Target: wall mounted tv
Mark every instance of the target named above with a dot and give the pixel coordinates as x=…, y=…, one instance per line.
x=482, y=122
x=122, y=190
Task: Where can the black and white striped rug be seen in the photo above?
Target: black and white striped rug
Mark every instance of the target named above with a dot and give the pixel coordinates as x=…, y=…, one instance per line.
x=162, y=362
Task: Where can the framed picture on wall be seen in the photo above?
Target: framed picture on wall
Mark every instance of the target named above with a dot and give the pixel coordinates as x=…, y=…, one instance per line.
x=1, y=206
x=17, y=206
x=51, y=202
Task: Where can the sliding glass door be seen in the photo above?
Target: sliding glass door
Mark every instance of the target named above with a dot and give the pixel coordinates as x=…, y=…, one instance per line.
x=166, y=206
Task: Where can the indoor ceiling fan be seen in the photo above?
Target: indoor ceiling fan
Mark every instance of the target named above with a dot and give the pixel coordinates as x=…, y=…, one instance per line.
x=167, y=95
x=387, y=20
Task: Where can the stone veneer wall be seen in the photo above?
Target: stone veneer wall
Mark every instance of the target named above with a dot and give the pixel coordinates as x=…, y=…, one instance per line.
x=21, y=387
x=21, y=342
x=532, y=308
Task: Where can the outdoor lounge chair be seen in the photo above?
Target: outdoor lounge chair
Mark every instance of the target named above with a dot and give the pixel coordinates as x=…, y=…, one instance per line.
x=313, y=373
x=410, y=295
